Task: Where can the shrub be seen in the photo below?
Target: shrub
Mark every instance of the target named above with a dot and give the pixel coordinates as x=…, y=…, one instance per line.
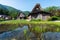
x=2, y=19
x=53, y=18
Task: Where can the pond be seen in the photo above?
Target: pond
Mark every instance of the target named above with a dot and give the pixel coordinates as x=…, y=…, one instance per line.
x=15, y=34
x=25, y=33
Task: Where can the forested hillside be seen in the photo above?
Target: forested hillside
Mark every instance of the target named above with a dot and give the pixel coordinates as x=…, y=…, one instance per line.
x=10, y=11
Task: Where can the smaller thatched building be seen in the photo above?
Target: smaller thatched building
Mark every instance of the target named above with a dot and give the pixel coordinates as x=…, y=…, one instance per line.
x=21, y=16
x=5, y=17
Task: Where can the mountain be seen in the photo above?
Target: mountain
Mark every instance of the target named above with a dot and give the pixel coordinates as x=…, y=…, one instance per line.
x=3, y=10
x=7, y=10
x=26, y=13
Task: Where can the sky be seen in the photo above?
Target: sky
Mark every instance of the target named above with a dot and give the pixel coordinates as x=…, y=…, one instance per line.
x=27, y=5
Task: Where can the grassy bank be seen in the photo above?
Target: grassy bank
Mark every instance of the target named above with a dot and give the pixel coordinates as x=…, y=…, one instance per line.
x=28, y=22
x=33, y=25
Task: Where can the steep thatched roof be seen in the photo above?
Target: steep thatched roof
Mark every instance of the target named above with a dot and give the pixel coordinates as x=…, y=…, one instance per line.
x=21, y=14
x=37, y=9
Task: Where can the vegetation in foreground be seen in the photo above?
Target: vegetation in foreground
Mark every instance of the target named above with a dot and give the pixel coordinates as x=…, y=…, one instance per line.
x=28, y=22
x=37, y=26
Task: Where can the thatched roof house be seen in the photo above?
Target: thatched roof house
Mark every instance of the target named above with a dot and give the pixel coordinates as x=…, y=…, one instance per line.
x=21, y=15
x=5, y=17
x=38, y=13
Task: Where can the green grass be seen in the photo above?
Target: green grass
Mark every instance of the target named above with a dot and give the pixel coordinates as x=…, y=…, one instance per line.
x=29, y=22
x=36, y=27
x=48, y=25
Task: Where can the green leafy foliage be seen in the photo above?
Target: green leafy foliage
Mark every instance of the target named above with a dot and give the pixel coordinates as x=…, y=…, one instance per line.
x=53, y=18
x=54, y=10
x=10, y=11
x=37, y=29
x=2, y=19
x=26, y=13
x=3, y=10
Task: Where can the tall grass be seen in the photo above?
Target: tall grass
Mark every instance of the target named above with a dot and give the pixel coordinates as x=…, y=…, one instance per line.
x=37, y=25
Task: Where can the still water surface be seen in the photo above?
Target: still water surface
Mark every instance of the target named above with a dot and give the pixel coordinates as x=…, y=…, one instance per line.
x=18, y=34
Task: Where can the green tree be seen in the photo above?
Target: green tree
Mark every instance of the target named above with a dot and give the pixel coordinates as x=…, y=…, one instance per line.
x=53, y=10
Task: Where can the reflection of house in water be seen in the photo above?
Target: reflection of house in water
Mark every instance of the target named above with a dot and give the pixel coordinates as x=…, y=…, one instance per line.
x=37, y=13
x=21, y=16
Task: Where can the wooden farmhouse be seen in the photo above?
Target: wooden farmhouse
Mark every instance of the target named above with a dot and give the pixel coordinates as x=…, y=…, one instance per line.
x=5, y=17
x=21, y=16
x=38, y=13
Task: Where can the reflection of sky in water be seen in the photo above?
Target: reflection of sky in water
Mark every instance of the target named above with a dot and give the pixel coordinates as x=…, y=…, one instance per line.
x=52, y=36
x=13, y=34
x=18, y=32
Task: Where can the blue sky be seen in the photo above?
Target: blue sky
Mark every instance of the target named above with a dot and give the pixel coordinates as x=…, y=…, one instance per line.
x=27, y=5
